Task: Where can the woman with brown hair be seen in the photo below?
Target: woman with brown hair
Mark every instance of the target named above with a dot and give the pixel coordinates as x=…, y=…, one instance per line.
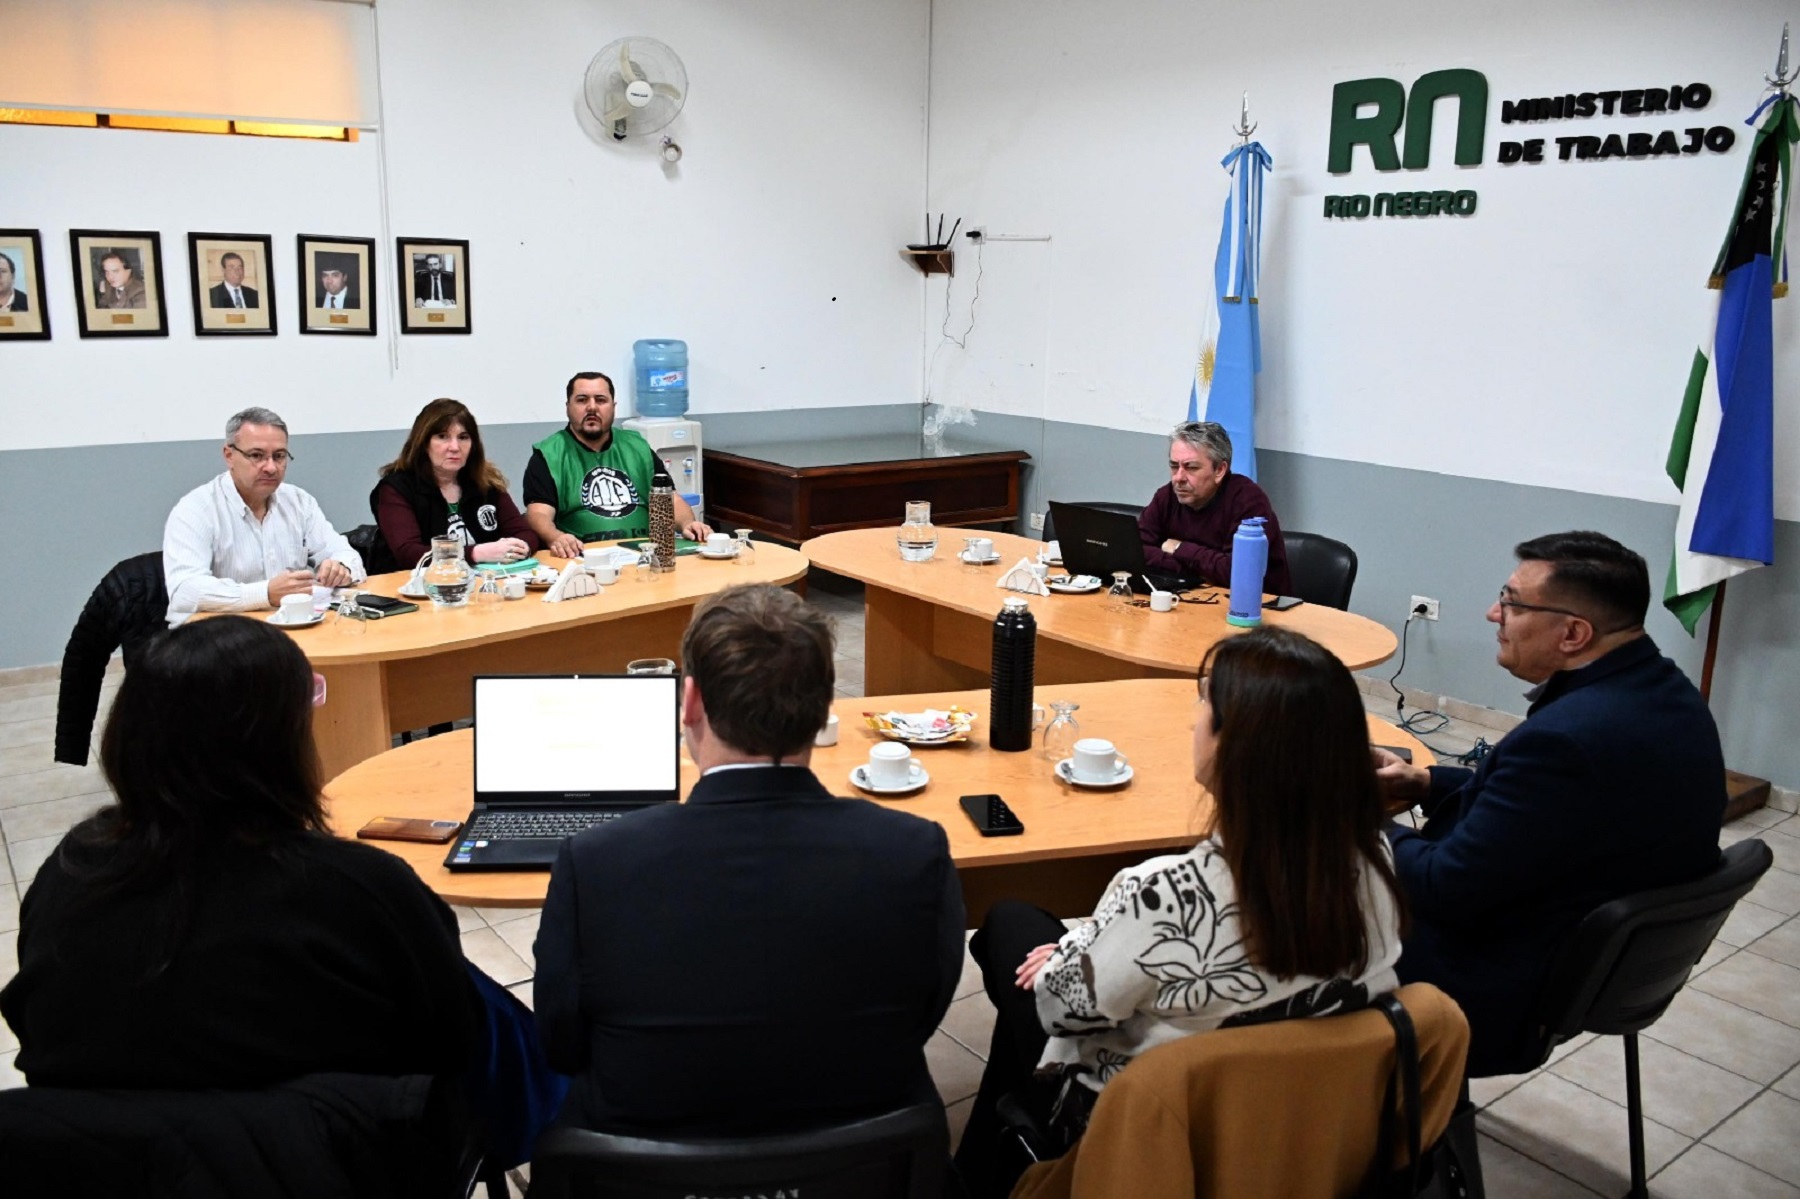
x=442, y=485
x=1286, y=907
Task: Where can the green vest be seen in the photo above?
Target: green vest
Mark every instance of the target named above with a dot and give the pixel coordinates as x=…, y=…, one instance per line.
x=601, y=495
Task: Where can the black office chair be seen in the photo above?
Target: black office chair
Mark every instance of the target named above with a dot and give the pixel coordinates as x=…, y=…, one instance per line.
x=1627, y=960
x=127, y=608
x=372, y=548
x=903, y=1154
x=1322, y=571
x=1102, y=505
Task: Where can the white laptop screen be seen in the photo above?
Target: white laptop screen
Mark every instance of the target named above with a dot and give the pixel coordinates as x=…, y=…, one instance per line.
x=570, y=739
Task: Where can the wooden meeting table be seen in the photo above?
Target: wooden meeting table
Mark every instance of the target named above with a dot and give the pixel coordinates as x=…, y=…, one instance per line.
x=928, y=625
x=412, y=671
x=1075, y=839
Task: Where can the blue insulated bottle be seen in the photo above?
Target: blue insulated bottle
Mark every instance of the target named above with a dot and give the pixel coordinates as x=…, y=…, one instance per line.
x=1249, y=562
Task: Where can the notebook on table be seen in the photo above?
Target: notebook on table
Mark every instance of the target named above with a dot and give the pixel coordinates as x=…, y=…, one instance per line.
x=1096, y=542
x=556, y=754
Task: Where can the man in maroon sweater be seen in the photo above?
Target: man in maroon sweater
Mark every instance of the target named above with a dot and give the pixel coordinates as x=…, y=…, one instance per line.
x=1188, y=525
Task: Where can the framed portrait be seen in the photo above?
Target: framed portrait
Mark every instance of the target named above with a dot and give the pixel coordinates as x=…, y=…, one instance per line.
x=23, y=316
x=337, y=284
x=234, y=284
x=118, y=282
x=434, y=285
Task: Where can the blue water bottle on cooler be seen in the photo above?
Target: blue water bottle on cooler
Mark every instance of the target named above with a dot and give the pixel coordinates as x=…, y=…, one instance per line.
x=1249, y=562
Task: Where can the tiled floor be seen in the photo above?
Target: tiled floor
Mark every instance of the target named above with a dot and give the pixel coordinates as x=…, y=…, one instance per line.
x=1721, y=1070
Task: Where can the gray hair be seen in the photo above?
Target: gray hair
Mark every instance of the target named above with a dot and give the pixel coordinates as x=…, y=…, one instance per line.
x=1209, y=437
x=253, y=416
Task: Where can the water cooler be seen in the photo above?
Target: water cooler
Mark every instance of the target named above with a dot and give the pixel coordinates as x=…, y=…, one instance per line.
x=677, y=443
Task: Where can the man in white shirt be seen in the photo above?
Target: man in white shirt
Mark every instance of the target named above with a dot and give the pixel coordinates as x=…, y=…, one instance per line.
x=243, y=541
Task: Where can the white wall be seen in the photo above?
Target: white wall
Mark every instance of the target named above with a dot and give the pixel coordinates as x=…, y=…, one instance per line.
x=771, y=247
x=1545, y=340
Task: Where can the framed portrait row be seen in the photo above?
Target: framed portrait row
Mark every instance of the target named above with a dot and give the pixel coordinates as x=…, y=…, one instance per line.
x=119, y=291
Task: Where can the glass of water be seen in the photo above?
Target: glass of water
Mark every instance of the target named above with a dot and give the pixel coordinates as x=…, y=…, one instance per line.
x=917, y=537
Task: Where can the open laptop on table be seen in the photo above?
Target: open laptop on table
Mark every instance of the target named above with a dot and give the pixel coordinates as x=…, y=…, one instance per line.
x=555, y=754
x=1096, y=542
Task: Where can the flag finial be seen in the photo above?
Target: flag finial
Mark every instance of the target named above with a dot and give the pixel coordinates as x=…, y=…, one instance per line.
x=1782, y=78
x=1244, y=128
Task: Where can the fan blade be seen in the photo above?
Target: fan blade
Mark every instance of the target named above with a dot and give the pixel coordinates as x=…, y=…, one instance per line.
x=627, y=68
x=617, y=112
x=667, y=89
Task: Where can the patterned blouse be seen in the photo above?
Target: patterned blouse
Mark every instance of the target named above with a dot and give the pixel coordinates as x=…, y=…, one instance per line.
x=1163, y=957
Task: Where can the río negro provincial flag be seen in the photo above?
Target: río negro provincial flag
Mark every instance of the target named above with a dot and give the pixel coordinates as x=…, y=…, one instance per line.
x=1722, y=456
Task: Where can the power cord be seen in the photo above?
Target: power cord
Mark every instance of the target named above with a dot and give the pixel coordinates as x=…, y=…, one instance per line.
x=945, y=337
x=1425, y=722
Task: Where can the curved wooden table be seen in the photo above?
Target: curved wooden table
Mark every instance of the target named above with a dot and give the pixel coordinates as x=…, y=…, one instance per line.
x=929, y=625
x=414, y=671
x=1075, y=840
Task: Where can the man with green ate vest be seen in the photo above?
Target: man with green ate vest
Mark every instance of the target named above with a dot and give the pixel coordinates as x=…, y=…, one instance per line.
x=591, y=482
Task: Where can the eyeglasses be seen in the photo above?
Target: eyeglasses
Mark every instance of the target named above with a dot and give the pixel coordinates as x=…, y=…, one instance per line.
x=1514, y=605
x=258, y=457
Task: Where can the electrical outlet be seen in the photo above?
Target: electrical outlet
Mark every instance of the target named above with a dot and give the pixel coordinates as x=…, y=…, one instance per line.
x=1425, y=602
x=1036, y=521
x=975, y=232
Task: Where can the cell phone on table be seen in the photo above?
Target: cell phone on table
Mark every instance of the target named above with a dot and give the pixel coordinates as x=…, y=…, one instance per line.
x=381, y=603
x=1282, y=603
x=991, y=816
x=401, y=828
x=1399, y=751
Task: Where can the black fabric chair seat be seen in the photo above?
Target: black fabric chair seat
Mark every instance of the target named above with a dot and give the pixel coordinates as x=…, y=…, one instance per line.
x=902, y=1154
x=1628, y=959
x=1322, y=571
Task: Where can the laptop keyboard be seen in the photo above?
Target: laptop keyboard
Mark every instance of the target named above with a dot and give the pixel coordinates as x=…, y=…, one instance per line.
x=525, y=826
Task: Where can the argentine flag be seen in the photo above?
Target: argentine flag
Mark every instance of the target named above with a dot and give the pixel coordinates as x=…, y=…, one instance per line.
x=1224, y=388
x=1722, y=456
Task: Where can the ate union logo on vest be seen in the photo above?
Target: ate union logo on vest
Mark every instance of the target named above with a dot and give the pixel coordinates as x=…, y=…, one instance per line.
x=1372, y=113
x=608, y=491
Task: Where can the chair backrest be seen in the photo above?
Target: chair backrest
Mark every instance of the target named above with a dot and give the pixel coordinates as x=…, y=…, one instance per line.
x=128, y=605
x=370, y=546
x=1322, y=570
x=1102, y=505
x=1291, y=1107
x=898, y=1155
x=1626, y=960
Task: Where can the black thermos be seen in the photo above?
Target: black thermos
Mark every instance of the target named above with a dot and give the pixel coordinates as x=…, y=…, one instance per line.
x=1009, y=694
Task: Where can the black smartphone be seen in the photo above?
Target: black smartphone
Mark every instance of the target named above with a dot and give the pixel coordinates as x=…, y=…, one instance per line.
x=381, y=603
x=991, y=816
x=1399, y=751
x=1282, y=603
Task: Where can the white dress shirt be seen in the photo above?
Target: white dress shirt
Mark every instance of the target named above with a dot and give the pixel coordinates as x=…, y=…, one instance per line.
x=217, y=557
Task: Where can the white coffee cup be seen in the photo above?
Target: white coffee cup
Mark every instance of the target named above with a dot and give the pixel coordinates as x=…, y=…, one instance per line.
x=595, y=557
x=890, y=764
x=720, y=544
x=515, y=587
x=829, y=734
x=979, y=549
x=604, y=572
x=1162, y=601
x=296, y=608
x=1097, y=761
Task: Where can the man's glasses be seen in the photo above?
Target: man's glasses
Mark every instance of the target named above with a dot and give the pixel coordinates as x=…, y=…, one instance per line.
x=1508, y=604
x=258, y=457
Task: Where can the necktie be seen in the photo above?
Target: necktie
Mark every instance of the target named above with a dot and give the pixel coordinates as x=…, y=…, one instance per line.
x=237, y=298
x=437, y=288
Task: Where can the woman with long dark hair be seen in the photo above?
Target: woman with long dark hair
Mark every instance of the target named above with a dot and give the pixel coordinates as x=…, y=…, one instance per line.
x=206, y=930
x=442, y=485
x=1286, y=907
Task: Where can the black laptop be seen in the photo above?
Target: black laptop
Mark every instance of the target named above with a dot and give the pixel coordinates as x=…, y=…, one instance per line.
x=556, y=754
x=1096, y=542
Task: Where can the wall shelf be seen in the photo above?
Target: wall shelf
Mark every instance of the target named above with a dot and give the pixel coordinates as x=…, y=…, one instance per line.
x=932, y=262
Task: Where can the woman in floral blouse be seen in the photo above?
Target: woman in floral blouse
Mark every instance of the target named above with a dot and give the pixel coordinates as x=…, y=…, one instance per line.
x=1287, y=907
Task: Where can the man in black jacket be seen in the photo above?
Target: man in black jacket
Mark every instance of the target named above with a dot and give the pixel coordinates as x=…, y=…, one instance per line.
x=765, y=956
x=1614, y=784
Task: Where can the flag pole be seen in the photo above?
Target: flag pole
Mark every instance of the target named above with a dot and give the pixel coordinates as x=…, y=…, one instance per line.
x=1712, y=642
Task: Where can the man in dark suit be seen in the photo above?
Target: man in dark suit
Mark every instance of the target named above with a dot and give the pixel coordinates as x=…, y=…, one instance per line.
x=12, y=298
x=433, y=285
x=765, y=956
x=339, y=283
x=1615, y=783
x=231, y=293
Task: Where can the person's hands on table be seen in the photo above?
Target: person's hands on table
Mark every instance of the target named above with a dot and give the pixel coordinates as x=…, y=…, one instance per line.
x=505, y=550
x=294, y=582
x=1403, y=785
x=332, y=573
x=695, y=530
x=565, y=545
x=1033, y=965
x=1171, y=545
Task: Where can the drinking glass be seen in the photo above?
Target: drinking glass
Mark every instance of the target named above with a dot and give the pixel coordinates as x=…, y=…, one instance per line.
x=917, y=537
x=1061, y=734
x=650, y=666
x=746, y=552
x=350, y=617
x=489, y=594
x=1118, y=596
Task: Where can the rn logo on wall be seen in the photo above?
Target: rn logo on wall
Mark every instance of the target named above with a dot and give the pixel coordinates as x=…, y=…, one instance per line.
x=1372, y=112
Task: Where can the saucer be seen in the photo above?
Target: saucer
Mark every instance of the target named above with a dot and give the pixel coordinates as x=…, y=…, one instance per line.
x=731, y=553
x=1069, y=586
x=987, y=561
x=414, y=595
x=274, y=618
x=860, y=777
x=1065, y=770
